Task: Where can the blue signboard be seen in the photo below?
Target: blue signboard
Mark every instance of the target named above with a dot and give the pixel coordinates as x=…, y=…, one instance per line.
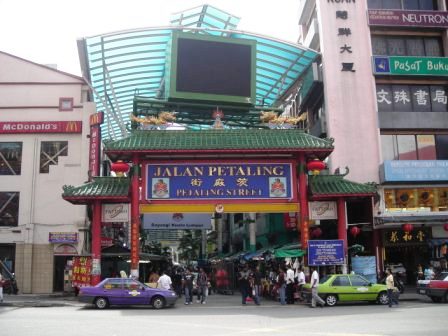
x=219, y=181
x=415, y=170
x=381, y=65
x=325, y=252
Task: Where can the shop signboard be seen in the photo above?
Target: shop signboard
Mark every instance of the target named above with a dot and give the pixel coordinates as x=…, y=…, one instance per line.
x=415, y=170
x=410, y=65
x=407, y=18
x=82, y=270
x=271, y=181
x=399, y=237
x=323, y=210
x=325, y=252
x=62, y=237
x=26, y=127
x=114, y=213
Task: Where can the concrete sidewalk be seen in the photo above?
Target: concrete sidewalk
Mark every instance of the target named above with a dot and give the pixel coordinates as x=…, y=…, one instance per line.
x=68, y=299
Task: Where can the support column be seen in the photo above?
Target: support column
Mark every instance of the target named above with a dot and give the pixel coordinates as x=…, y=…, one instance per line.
x=96, y=243
x=303, y=223
x=342, y=230
x=218, y=226
x=135, y=219
x=377, y=245
x=231, y=218
x=252, y=232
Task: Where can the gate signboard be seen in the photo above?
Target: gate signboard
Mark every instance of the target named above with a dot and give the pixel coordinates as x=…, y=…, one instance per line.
x=220, y=181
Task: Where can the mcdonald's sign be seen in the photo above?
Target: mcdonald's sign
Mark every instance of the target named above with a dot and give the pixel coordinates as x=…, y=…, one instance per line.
x=96, y=119
x=20, y=127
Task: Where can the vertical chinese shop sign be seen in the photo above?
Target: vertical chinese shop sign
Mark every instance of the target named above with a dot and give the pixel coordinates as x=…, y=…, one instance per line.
x=82, y=270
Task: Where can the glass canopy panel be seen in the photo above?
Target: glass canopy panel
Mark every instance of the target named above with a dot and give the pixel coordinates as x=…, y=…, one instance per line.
x=124, y=64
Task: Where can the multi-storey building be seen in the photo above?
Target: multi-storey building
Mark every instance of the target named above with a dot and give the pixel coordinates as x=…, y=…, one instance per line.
x=44, y=123
x=380, y=90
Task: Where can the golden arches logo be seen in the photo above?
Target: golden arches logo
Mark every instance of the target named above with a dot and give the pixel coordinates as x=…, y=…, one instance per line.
x=96, y=118
x=71, y=127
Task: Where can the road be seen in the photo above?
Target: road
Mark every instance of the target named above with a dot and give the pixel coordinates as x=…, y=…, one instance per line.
x=223, y=316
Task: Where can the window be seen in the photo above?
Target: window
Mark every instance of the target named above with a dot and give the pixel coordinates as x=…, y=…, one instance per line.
x=412, y=98
x=403, y=4
x=9, y=208
x=414, y=146
x=407, y=46
x=65, y=104
x=430, y=198
x=358, y=281
x=341, y=281
x=10, y=158
x=113, y=284
x=49, y=153
x=130, y=284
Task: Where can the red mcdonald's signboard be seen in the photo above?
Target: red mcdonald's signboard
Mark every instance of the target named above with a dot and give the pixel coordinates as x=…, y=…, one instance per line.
x=20, y=127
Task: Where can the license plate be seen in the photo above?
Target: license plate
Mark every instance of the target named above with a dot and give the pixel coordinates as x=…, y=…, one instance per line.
x=422, y=291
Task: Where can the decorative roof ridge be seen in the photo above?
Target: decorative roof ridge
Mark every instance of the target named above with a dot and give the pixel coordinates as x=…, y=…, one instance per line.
x=68, y=189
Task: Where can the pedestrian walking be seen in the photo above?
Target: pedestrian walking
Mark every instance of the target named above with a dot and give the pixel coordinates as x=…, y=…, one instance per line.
x=2, y=282
x=314, y=290
x=164, y=281
x=253, y=291
x=392, y=294
x=281, y=281
x=300, y=282
x=290, y=285
x=243, y=278
x=187, y=283
x=177, y=281
x=202, y=285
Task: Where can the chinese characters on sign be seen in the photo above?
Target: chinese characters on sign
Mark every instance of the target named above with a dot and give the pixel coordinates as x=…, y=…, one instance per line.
x=400, y=237
x=82, y=269
x=415, y=98
x=344, y=34
x=272, y=181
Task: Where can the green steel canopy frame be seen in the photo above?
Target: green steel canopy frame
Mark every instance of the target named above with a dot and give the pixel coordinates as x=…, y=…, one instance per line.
x=126, y=69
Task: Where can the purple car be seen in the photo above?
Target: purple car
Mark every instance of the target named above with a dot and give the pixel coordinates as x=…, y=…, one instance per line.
x=125, y=291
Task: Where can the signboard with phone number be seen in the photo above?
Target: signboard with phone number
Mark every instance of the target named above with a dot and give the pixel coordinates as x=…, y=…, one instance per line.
x=325, y=252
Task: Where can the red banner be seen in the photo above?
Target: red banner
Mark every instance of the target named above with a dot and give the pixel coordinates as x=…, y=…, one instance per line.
x=82, y=269
x=290, y=220
x=20, y=127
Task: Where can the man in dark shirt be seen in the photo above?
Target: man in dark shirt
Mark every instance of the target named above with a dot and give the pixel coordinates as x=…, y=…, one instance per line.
x=187, y=282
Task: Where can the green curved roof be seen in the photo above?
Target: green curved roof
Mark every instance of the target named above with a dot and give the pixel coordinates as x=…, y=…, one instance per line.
x=122, y=65
x=218, y=141
x=113, y=189
x=327, y=186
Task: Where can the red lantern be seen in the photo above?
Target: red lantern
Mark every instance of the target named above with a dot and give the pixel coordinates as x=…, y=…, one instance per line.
x=445, y=227
x=316, y=233
x=354, y=231
x=407, y=227
x=315, y=166
x=119, y=167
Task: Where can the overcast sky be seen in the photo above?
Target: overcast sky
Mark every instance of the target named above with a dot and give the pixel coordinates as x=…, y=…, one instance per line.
x=45, y=31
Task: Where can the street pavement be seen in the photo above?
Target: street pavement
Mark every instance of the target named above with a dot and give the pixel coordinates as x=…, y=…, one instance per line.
x=217, y=300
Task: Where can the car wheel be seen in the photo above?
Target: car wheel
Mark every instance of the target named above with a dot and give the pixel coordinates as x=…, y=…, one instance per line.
x=331, y=300
x=436, y=299
x=101, y=303
x=158, y=302
x=383, y=298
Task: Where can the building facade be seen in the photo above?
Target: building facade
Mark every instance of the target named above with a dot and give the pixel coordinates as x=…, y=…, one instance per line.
x=44, y=124
x=380, y=90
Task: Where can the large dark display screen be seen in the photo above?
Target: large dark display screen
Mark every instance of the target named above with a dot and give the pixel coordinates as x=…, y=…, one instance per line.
x=213, y=67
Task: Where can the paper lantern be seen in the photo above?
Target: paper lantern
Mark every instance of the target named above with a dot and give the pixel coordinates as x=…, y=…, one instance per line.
x=445, y=227
x=119, y=167
x=354, y=231
x=315, y=166
x=316, y=233
x=407, y=227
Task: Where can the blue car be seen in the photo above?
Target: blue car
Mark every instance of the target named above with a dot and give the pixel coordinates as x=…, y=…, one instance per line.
x=125, y=291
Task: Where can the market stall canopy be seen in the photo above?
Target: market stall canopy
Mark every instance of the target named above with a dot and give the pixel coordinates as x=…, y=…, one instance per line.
x=289, y=251
x=121, y=66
